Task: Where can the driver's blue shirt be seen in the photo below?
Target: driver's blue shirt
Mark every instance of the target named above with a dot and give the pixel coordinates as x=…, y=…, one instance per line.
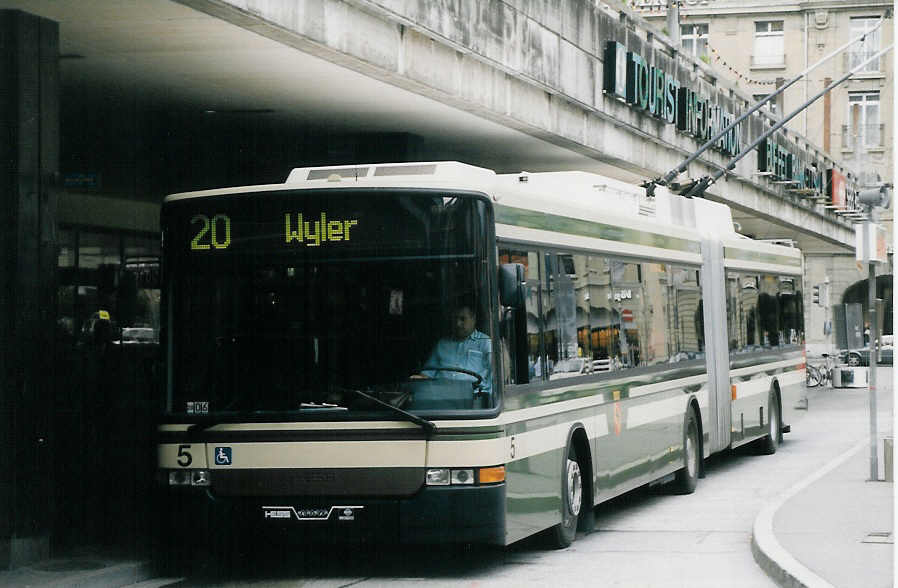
x=473, y=353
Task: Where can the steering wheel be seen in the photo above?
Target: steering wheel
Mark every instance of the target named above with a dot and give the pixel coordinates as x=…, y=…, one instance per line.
x=458, y=370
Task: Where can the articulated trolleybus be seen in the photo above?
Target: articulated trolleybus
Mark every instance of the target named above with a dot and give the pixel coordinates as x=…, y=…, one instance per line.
x=317, y=381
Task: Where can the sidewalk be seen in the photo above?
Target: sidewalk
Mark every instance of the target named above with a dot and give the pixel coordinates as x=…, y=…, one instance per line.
x=833, y=529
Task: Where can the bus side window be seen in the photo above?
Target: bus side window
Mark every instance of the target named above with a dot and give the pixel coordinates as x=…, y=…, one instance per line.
x=686, y=307
x=744, y=334
x=652, y=319
x=521, y=329
x=566, y=313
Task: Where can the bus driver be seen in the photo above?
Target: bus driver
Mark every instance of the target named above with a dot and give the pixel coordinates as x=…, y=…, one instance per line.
x=467, y=348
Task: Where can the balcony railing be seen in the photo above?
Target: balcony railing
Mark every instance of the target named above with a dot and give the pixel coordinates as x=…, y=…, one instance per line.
x=866, y=136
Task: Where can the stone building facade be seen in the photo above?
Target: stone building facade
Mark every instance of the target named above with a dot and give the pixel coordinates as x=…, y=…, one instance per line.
x=759, y=45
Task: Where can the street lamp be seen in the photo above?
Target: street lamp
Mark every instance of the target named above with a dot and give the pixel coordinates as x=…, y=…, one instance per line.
x=873, y=249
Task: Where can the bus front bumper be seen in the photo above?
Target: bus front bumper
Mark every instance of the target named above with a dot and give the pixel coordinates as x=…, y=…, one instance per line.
x=434, y=515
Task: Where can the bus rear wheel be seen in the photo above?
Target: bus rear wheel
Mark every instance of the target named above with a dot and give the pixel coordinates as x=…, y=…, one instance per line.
x=686, y=478
x=564, y=533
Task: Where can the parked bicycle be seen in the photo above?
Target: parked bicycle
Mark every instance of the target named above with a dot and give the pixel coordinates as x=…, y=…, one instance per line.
x=820, y=375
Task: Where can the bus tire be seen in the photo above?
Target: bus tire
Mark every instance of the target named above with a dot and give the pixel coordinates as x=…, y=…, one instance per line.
x=564, y=533
x=771, y=441
x=686, y=478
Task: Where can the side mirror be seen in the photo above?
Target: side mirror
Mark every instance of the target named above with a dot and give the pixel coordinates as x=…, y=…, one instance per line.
x=511, y=285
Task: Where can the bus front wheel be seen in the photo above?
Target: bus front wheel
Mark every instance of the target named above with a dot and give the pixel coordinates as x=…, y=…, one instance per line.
x=563, y=533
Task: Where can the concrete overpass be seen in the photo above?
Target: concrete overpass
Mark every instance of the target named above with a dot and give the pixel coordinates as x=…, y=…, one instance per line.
x=506, y=85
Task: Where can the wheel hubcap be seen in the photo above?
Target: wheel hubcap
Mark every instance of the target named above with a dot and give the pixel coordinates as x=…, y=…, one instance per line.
x=574, y=487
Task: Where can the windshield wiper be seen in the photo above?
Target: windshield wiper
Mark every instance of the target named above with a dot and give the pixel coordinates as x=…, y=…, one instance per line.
x=202, y=426
x=429, y=427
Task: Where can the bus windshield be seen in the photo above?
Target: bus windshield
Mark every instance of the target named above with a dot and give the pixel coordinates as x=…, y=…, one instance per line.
x=291, y=302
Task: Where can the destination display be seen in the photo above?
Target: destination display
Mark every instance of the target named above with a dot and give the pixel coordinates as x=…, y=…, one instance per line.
x=369, y=224
x=215, y=233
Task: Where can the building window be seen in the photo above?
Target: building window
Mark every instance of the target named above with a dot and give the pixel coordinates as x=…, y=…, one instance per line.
x=694, y=38
x=862, y=128
x=867, y=48
x=768, y=48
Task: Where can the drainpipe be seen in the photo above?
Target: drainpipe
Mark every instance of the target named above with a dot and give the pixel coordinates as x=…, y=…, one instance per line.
x=807, y=49
x=673, y=22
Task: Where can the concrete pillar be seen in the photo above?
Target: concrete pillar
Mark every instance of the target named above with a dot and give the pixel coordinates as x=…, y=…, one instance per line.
x=29, y=163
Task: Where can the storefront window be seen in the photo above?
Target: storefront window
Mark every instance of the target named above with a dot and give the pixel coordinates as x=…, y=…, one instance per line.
x=108, y=284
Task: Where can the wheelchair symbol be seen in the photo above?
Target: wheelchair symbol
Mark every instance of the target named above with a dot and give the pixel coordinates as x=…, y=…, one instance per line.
x=222, y=456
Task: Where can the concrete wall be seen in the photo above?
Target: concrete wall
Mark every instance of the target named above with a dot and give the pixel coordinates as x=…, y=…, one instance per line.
x=29, y=117
x=535, y=66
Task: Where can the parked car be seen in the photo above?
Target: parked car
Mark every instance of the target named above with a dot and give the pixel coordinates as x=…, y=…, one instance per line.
x=138, y=335
x=855, y=357
x=567, y=368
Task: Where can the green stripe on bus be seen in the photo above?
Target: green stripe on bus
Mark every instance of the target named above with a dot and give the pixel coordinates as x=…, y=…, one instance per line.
x=567, y=417
x=732, y=253
x=519, y=217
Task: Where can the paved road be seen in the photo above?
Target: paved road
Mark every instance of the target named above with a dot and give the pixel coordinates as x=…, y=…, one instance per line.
x=647, y=538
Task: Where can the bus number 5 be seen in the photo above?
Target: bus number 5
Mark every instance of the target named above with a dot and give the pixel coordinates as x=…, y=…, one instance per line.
x=184, y=457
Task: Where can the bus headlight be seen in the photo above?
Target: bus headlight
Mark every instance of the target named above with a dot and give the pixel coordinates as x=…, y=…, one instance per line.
x=462, y=476
x=465, y=476
x=438, y=477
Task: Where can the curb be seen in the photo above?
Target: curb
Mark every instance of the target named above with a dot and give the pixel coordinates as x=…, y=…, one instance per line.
x=776, y=562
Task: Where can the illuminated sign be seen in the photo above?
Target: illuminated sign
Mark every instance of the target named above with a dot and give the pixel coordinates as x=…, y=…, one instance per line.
x=836, y=186
x=774, y=159
x=781, y=164
x=211, y=233
x=628, y=77
x=841, y=191
x=314, y=233
x=224, y=229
